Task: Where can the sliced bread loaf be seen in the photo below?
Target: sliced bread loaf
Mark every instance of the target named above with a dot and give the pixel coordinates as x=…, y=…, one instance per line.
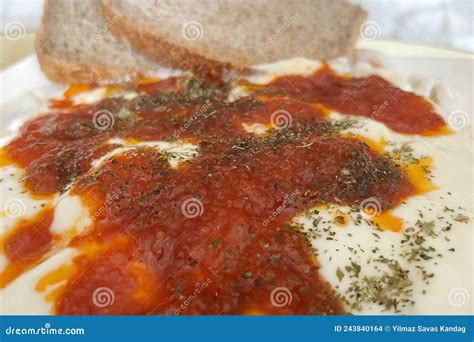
x=75, y=45
x=210, y=36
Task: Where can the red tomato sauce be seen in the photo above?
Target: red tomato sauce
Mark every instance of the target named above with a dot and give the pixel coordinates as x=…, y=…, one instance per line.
x=31, y=238
x=26, y=244
x=220, y=221
x=372, y=97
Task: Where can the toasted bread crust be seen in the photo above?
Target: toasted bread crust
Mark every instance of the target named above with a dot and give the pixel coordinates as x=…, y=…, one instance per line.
x=159, y=47
x=62, y=70
x=354, y=35
x=163, y=50
x=66, y=70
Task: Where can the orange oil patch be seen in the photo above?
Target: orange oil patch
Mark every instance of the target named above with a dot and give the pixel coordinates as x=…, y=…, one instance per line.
x=314, y=260
x=109, y=90
x=149, y=80
x=325, y=110
x=416, y=172
x=386, y=220
x=60, y=104
x=60, y=274
x=418, y=177
x=378, y=146
x=54, y=294
x=13, y=270
x=5, y=159
x=249, y=85
x=22, y=236
x=89, y=250
x=76, y=89
x=132, y=141
x=263, y=98
x=72, y=232
x=68, y=94
x=64, y=238
x=443, y=130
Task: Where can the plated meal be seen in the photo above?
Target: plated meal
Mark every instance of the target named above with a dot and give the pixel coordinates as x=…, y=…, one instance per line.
x=302, y=186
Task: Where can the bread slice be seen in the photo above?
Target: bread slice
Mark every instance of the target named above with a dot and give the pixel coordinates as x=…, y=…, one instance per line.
x=208, y=37
x=74, y=45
